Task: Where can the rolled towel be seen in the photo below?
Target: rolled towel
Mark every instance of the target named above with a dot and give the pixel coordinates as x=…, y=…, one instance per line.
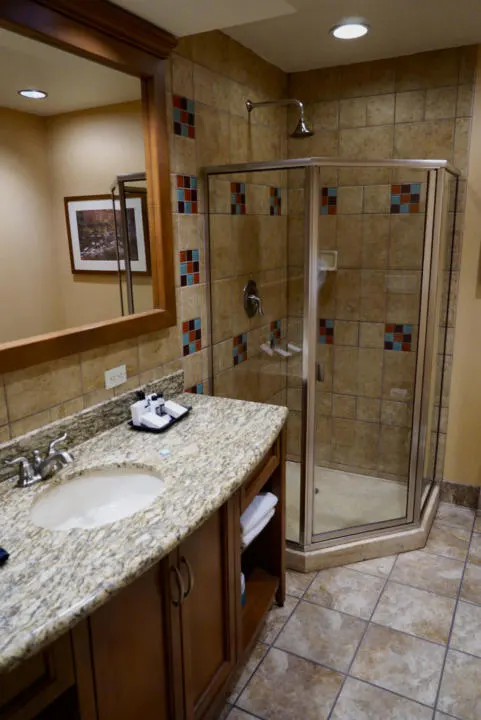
x=247, y=538
x=259, y=507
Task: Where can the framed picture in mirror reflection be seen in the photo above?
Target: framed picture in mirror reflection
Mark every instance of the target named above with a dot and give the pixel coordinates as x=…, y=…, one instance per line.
x=95, y=234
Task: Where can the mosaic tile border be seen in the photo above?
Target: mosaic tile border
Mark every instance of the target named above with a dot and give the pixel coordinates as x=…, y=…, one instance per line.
x=191, y=336
x=398, y=337
x=406, y=198
x=197, y=389
x=275, y=332
x=189, y=267
x=238, y=198
x=184, y=116
x=187, y=194
x=275, y=201
x=239, y=348
x=329, y=201
x=326, y=331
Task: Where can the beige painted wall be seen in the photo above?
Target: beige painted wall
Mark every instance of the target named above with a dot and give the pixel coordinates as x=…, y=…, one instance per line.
x=88, y=149
x=29, y=301
x=463, y=451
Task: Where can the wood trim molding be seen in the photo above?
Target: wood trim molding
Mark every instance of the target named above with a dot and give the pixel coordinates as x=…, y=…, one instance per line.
x=117, y=22
x=109, y=35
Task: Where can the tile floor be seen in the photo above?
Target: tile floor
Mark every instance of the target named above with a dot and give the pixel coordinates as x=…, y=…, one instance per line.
x=397, y=638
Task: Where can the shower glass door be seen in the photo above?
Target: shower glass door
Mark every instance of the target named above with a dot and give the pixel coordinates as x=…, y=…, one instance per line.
x=369, y=272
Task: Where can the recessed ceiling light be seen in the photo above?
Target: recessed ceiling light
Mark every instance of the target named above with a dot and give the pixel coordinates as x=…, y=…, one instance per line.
x=33, y=94
x=349, y=31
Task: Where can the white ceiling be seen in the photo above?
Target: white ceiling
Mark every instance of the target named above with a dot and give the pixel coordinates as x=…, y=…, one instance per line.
x=71, y=82
x=294, y=34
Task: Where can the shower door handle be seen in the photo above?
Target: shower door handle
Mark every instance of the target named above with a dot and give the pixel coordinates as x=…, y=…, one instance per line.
x=319, y=372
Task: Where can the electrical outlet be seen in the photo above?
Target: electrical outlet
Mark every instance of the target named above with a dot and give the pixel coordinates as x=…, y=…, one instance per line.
x=115, y=376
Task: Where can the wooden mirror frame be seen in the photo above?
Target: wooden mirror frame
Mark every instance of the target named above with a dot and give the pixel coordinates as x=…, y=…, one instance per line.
x=109, y=35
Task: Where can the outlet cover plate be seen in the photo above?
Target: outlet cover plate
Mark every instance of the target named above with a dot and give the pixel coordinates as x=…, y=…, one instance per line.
x=115, y=376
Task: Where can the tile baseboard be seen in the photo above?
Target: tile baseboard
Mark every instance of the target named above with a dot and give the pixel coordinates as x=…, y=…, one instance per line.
x=457, y=494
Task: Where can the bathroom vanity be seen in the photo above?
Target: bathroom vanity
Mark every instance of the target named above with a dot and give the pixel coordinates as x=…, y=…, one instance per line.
x=143, y=617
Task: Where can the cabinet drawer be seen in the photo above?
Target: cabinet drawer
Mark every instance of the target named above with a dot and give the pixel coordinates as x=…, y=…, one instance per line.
x=261, y=475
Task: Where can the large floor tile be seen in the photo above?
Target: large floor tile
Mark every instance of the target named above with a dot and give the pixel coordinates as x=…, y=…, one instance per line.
x=415, y=611
x=460, y=688
x=237, y=714
x=286, y=687
x=450, y=514
x=276, y=619
x=297, y=582
x=452, y=542
x=475, y=550
x=359, y=701
x=467, y=629
x=380, y=567
x=346, y=590
x=395, y=661
x=429, y=572
x=322, y=635
x=256, y=656
x=471, y=587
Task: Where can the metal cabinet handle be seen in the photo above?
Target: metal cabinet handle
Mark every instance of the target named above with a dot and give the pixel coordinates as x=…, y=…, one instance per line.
x=180, y=587
x=190, y=575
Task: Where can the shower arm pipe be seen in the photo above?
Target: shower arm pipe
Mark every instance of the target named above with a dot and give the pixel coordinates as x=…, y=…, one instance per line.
x=263, y=103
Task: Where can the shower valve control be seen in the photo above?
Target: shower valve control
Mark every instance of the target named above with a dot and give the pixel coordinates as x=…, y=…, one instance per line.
x=252, y=301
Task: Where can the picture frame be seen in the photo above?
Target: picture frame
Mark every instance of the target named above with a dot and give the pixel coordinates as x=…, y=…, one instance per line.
x=91, y=229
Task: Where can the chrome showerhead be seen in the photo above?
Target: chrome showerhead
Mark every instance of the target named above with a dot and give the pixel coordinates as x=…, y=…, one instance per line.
x=302, y=130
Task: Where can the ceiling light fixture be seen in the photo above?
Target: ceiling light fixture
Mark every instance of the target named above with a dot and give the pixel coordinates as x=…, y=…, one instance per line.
x=349, y=30
x=33, y=94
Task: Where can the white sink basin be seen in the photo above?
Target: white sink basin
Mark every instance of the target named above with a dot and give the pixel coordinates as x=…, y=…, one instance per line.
x=95, y=499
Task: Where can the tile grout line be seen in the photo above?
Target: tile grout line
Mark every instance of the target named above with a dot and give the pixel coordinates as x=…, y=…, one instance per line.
x=368, y=624
x=448, y=643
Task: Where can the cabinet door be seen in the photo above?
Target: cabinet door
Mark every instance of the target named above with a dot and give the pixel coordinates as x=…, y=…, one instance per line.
x=129, y=653
x=207, y=560
x=37, y=682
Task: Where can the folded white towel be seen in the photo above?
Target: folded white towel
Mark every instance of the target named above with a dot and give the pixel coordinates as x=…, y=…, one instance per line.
x=259, y=507
x=247, y=538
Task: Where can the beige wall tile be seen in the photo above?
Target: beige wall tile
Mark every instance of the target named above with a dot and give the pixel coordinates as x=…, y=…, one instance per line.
x=354, y=443
x=323, y=439
x=371, y=335
x=407, y=238
x=349, y=200
x=346, y=370
x=257, y=199
x=328, y=232
x=95, y=362
x=377, y=199
x=370, y=372
x=323, y=115
x=430, y=139
x=156, y=349
x=70, y=407
x=402, y=308
x=294, y=433
x=296, y=202
x=183, y=157
x=364, y=176
x=461, y=144
x=410, y=106
x=375, y=240
x=97, y=396
x=182, y=76
x=295, y=245
x=344, y=406
x=325, y=357
x=294, y=399
x=316, y=85
x=42, y=386
x=366, y=142
x=398, y=375
x=368, y=409
x=348, y=291
x=429, y=69
x=323, y=403
x=224, y=251
x=464, y=106
x=29, y=423
x=349, y=240
x=380, y=109
x=369, y=78
x=213, y=147
x=394, y=449
x=210, y=88
x=195, y=368
x=346, y=333
x=352, y=113
x=441, y=103
x=4, y=434
x=395, y=413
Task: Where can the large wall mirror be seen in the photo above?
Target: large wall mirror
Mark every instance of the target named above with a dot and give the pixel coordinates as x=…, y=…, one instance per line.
x=84, y=216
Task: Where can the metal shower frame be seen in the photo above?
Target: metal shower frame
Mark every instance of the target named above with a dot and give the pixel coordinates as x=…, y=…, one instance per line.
x=437, y=207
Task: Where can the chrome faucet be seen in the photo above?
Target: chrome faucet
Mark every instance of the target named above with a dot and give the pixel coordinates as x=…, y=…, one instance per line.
x=30, y=473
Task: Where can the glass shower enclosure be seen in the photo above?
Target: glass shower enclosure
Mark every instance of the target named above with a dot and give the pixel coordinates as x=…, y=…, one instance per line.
x=331, y=293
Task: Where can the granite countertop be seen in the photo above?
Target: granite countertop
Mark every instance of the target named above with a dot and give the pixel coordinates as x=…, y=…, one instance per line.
x=53, y=579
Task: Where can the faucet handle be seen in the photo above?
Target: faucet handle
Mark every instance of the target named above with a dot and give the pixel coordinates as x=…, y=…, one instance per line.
x=26, y=473
x=51, y=447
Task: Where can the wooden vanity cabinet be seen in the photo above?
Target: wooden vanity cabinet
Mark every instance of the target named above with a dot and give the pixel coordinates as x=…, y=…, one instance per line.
x=37, y=682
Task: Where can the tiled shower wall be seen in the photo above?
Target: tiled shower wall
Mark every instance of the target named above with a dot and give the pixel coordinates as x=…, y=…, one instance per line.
x=414, y=107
